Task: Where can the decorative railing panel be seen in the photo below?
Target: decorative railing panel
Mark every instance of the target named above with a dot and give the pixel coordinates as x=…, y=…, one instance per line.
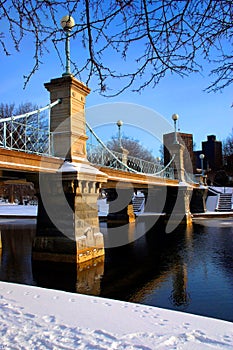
x=29, y=132
x=21, y=136
x=102, y=157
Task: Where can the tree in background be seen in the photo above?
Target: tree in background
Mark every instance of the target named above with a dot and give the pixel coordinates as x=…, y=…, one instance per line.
x=228, y=145
x=8, y=110
x=161, y=152
x=29, y=133
x=155, y=37
x=221, y=178
x=228, y=155
x=133, y=146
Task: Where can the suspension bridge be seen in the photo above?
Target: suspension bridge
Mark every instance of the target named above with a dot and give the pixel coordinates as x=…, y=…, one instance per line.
x=53, y=140
x=30, y=133
x=29, y=137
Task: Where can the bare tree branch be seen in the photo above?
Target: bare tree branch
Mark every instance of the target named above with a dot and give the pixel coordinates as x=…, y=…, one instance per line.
x=133, y=42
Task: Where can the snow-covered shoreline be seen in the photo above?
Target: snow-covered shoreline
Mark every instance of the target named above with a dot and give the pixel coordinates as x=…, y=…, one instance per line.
x=30, y=211
x=38, y=318
x=15, y=210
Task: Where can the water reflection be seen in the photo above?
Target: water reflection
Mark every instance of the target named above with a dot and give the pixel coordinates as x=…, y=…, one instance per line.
x=135, y=270
x=188, y=270
x=219, y=222
x=16, y=264
x=89, y=276
x=179, y=295
x=126, y=233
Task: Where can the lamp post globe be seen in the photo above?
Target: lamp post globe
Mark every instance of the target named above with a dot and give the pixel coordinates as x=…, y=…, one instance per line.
x=202, y=156
x=67, y=23
x=119, y=124
x=175, y=117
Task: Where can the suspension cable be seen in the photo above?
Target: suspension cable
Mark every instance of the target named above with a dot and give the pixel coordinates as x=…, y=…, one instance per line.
x=117, y=159
x=107, y=149
x=49, y=106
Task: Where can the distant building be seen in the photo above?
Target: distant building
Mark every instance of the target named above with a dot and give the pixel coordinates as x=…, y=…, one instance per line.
x=187, y=141
x=212, y=150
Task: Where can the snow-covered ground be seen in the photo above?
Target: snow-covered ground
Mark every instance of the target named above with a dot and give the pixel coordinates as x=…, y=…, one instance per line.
x=18, y=210
x=36, y=318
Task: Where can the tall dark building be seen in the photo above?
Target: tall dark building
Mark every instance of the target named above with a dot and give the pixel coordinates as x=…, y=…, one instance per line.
x=187, y=141
x=212, y=149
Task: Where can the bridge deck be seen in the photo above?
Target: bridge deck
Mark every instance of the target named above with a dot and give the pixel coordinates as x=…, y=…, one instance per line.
x=132, y=178
x=27, y=162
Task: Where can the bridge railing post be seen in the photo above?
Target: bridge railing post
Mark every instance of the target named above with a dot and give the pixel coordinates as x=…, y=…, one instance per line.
x=11, y=134
x=124, y=155
x=25, y=134
x=4, y=135
x=102, y=157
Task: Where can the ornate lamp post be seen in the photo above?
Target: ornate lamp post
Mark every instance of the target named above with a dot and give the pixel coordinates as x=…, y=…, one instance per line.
x=202, y=156
x=119, y=124
x=67, y=23
x=175, y=117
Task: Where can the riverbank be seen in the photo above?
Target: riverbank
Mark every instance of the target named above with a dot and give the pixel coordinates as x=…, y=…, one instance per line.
x=33, y=317
x=18, y=211
x=30, y=211
x=212, y=214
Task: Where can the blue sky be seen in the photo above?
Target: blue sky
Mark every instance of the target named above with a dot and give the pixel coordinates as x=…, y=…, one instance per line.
x=200, y=113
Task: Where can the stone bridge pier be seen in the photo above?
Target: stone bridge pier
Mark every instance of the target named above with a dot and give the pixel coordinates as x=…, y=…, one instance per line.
x=68, y=226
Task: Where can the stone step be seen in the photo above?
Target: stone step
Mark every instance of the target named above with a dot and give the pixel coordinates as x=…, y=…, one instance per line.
x=137, y=203
x=224, y=202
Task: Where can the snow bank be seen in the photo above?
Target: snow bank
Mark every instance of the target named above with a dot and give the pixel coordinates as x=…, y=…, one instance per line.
x=18, y=210
x=37, y=318
x=222, y=189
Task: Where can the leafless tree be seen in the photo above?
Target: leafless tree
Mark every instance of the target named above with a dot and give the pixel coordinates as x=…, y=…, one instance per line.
x=133, y=146
x=6, y=110
x=26, y=128
x=228, y=145
x=135, y=42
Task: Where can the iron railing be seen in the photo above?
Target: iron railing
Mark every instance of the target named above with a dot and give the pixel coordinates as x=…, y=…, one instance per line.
x=29, y=132
x=116, y=160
